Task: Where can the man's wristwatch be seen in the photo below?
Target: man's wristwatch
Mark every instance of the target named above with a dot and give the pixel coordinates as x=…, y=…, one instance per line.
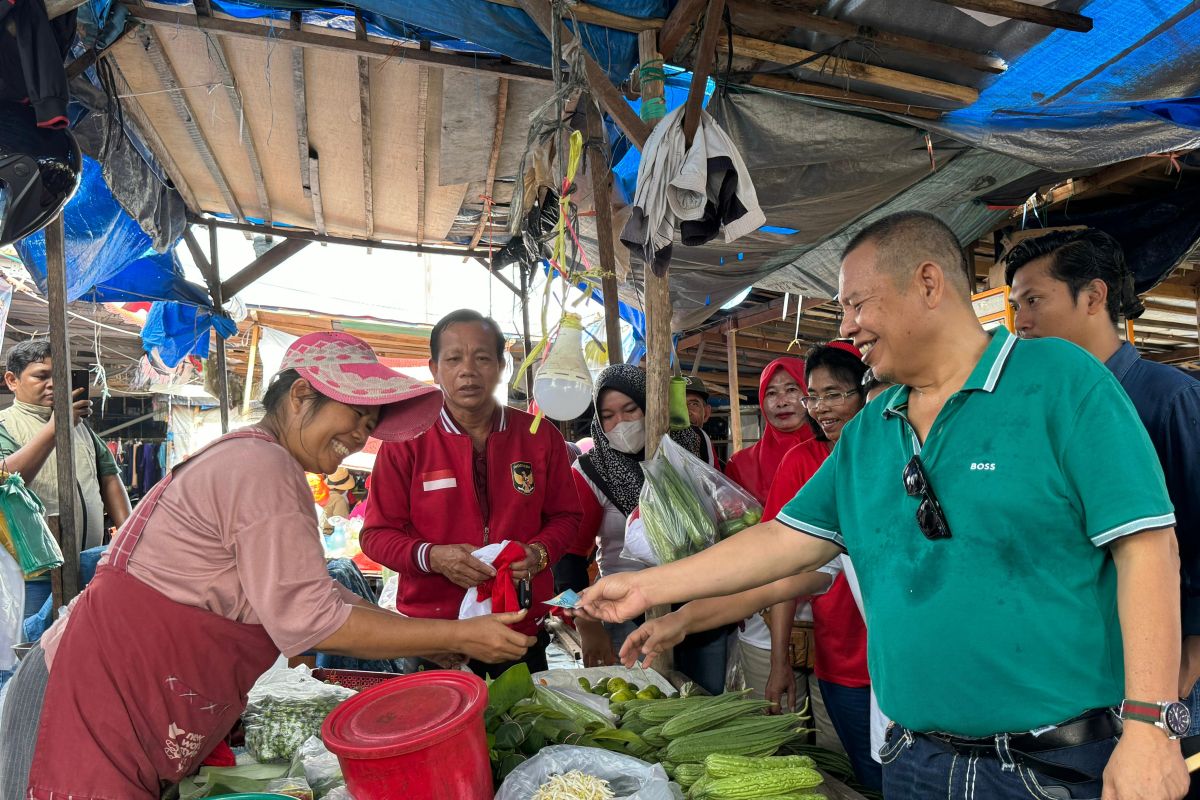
x=1172, y=716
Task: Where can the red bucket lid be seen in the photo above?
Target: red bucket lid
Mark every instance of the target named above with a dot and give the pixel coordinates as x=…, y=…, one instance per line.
x=408, y=713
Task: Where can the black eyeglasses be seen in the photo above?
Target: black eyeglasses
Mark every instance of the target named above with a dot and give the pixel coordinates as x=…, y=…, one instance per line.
x=930, y=517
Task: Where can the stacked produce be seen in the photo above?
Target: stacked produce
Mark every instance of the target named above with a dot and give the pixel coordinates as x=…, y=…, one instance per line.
x=732, y=777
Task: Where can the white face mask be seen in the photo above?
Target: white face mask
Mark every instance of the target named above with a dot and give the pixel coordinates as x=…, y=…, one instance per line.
x=628, y=437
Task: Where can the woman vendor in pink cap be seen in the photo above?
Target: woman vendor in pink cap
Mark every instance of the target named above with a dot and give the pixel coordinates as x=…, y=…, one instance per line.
x=219, y=570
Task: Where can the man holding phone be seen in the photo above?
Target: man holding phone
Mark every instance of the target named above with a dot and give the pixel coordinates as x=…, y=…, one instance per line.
x=27, y=447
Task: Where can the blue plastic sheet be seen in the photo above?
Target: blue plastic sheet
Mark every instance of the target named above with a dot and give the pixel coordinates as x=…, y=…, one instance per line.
x=177, y=331
x=109, y=257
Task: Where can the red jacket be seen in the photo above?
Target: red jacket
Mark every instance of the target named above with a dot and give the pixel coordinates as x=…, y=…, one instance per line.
x=423, y=494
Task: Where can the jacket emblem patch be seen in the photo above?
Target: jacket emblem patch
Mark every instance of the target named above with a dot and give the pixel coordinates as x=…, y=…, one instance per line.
x=522, y=477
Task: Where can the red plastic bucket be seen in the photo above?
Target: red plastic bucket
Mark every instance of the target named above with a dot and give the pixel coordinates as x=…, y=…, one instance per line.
x=419, y=737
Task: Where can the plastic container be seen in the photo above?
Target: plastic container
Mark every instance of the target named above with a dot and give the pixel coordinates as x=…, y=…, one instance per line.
x=418, y=736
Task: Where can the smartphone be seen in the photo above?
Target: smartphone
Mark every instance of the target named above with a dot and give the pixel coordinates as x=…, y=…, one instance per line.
x=81, y=379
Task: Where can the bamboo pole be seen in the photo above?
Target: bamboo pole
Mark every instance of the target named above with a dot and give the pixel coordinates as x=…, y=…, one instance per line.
x=602, y=182
x=248, y=394
x=735, y=400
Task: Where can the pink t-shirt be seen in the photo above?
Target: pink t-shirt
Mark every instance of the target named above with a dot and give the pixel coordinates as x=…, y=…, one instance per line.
x=236, y=534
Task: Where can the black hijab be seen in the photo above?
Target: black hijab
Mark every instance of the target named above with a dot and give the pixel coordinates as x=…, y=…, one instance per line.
x=619, y=475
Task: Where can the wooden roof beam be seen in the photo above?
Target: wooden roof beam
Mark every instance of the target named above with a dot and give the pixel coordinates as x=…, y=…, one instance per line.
x=216, y=52
x=166, y=75
x=300, y=105
x=706, y=54
x=745, y=10
x=364, y=117
x=333, y=42
x=781, y=83
x=493, y=161
x=1025, y=12
x=318, y=205
x=612, y=101
x=833, y=66
x=260, y=266
x=680, y=21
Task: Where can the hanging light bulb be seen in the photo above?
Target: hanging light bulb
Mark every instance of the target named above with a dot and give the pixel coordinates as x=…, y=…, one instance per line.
x=563, y=385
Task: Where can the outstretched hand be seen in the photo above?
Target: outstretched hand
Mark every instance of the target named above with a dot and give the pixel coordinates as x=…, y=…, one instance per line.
x=654, y=637
x=615, y=598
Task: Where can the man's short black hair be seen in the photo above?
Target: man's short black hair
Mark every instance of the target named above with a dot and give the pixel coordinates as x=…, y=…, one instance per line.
x=26, y=353
x=1077, y=258
x=908, y=238
x=465, y=315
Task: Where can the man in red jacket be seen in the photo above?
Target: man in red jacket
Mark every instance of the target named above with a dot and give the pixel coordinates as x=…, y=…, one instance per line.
x=477, y=477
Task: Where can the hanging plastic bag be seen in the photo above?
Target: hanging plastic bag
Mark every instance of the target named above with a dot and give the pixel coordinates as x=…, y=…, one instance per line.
x=284, y=709
x=629, y=778
x=37, y=551
x=671, y=521
x=731, y=507
x=12, y=610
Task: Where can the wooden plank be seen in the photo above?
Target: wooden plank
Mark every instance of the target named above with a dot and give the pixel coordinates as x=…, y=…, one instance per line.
x=735, y=402
x=166, y=75
x=602, y=185
x=216, y=51
x=612, y=101
x=248, y=392
x=1103, y=179
x=300, y=105
x=300, y=233
x=679, y=22
x=1025, y=12
x=746, y=11
x=781, y=83
x=493, y=161
x=364, y=117
x=596, y=15
x=698, y=357
x=339, y=44
x=318, y=204
x=64, y=438
x=262, y=265
x=844, y=68
x=422, y=131
x=701, y=69
x=1182, y=355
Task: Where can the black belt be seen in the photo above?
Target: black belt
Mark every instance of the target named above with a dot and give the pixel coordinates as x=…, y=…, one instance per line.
x=1093, y=726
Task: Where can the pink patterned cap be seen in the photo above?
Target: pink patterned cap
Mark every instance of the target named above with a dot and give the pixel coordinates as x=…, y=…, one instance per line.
x=345, y=368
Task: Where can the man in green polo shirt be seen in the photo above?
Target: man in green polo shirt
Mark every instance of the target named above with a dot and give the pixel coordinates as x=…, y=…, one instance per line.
x=1012, y=535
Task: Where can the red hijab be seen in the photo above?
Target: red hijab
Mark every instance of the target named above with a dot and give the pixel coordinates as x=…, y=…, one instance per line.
x=754, y=467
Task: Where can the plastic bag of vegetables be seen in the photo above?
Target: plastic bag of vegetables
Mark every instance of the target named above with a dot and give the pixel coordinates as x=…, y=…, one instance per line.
x=284, y=709
x=628, y=778
x=685, y=506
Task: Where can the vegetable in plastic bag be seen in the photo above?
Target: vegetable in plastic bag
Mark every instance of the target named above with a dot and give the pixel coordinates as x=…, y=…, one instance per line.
x=671, y=521
x=318, y=766
x=628, y=777
x=284, y=709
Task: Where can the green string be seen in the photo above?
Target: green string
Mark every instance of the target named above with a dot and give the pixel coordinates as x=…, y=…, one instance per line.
x=648, y=72
x=653, y=108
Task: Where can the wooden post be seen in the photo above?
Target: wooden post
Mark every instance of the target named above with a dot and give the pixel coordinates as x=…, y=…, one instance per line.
x=602, y=182
x=66, y=580
x=248, y=394
x=214, y=289
x=525, y=332
x=656, y=303
x=735, y=400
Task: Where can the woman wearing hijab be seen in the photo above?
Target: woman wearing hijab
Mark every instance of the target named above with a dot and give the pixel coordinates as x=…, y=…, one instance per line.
x=218, y=571
x=781, y=389
x=609, y=480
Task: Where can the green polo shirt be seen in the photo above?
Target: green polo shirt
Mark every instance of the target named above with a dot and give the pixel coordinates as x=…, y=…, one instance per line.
x=1010, y=625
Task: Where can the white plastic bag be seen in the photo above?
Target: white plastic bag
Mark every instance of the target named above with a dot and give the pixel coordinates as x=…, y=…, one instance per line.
x=628, y=777
x=12, y=609
x=284, y=709
x=318, y=766
x=471, y=605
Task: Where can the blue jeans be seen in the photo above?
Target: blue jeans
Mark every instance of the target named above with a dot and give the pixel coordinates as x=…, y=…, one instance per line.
x=1193, y=704
x=39, y=615
x=850, y=710
x=917, y=766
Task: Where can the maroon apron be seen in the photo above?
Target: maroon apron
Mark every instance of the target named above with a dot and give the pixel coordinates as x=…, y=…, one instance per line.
x=142, y=688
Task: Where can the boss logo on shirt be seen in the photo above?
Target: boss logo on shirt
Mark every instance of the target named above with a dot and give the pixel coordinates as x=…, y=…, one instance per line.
x=522, y=477
x=983, y=466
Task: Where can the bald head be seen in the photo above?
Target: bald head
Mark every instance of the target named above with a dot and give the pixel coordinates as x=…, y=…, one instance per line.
x=908, y=239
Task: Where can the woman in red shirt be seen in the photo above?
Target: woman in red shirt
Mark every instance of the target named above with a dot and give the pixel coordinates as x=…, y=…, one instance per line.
x=834, y=374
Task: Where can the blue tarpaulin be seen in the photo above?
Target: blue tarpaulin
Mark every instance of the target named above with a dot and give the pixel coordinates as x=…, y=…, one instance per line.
x=110, y=259
x=177, y=331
